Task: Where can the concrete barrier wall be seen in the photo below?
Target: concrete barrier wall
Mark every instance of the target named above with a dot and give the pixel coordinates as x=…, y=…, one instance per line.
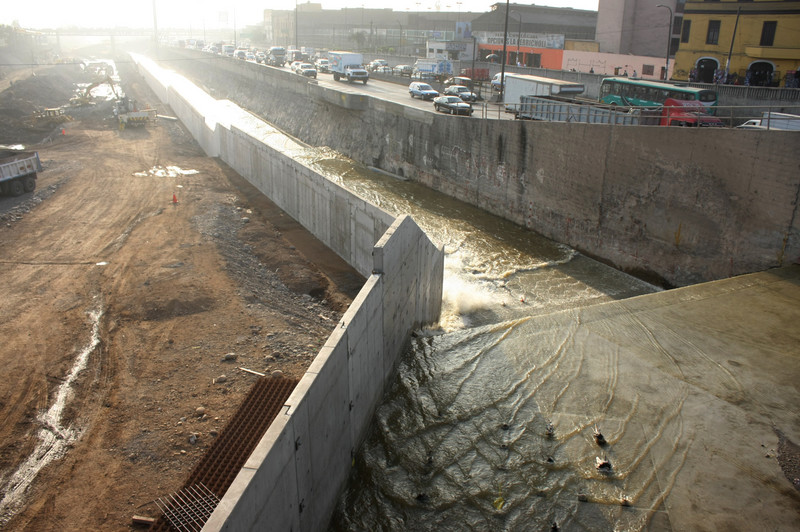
x=674, y=205
x=293, y=478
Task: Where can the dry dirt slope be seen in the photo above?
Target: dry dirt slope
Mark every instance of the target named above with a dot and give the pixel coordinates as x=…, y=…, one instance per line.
x=174, y=287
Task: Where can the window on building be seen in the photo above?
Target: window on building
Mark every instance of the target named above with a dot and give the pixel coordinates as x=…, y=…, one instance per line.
x=768, y=33
x=712, y=37
x=647, y=70
x=687, y=27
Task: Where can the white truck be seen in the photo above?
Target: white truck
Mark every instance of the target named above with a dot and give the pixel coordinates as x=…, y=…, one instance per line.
x=776, y=121
x=428, y=68
x=519, y=85
x=18, y=172
x=349, y=66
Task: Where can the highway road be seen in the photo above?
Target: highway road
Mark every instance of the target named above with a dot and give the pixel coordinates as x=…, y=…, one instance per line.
x=398, y=93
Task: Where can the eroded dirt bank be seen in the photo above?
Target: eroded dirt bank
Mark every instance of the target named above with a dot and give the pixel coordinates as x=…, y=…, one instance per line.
x=173, y=287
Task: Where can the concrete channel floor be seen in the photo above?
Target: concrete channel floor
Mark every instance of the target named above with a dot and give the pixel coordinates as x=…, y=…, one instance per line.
x=699, y=392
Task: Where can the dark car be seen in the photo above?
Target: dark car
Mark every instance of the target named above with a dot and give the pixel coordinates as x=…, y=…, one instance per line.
x=307, y=70
x=453, y=105
x=462, y=92
x=422, y=90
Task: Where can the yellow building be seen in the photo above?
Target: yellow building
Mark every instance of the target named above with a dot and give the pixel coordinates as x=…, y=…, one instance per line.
x=746, y=42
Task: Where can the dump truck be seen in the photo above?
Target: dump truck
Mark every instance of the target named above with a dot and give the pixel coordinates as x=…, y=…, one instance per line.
x=348, y=65
x=130, y=115
x=18, y=172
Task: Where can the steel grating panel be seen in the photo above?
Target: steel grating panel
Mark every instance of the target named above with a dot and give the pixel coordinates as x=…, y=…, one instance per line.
x=227, y=455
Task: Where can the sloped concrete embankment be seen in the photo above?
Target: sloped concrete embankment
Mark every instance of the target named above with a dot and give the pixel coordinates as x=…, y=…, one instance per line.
x=678, y=205
x=293, y=478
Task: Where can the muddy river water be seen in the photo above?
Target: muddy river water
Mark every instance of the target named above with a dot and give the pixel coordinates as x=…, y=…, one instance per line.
x=490, y=423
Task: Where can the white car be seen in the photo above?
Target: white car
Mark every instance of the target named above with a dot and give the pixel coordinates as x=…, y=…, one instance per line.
x=496, y=83
x=294, y=65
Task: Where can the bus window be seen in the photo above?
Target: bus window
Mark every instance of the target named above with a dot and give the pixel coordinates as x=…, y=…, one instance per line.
x=708, y=96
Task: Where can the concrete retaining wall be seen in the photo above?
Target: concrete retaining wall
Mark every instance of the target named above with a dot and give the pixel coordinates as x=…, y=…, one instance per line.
x=671, y=204
x=293, y=478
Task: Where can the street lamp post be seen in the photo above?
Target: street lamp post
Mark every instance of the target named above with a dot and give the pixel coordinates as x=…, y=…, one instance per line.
x=505, y=57
x=519, y=34
x=669, y=41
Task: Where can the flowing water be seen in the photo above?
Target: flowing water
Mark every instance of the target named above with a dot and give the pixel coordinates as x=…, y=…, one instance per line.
x=461, y=441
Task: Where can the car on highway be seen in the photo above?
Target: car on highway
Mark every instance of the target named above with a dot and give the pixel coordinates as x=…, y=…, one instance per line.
x=462, y=92
x=307, y=70
x=422, y=90
x=294, y=64
x=458, y=80
x=496, y=82
x=424, y=76
x=383, y=70
x=453, y=105
x=403, y=70
x=323, y=65
x=250, y=56
x=377, y=63
x=261, y=57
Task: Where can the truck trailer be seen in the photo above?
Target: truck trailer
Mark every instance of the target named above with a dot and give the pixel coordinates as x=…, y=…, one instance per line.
x=519, y=85
x=349, y=66
x=18, y=172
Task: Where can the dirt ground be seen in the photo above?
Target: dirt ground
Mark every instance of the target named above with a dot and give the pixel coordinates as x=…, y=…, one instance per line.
x=176, y=286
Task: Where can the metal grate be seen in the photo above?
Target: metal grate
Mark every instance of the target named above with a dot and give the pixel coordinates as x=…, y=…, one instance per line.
x=227, y=455
x=188, y=509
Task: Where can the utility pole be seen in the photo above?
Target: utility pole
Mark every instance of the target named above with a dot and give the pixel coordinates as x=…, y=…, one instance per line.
x=669, y=41
x=503, y=60
x=730, y=51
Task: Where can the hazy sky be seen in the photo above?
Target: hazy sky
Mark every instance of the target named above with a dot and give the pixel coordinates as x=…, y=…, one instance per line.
x=211, y=13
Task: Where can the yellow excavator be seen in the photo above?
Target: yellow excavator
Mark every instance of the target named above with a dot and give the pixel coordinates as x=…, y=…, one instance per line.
x=84, y=97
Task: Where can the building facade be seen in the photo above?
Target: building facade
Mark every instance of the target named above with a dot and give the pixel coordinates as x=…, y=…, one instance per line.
x=749, y=43
x=536, y=35
x=639, y=27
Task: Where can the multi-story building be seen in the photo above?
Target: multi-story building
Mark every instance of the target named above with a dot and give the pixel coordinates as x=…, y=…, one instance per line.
x=639, y=27
x=743, y=42
x=536, y=36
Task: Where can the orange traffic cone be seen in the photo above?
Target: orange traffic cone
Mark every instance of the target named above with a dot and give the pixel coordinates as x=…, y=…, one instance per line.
x=174, y=199
x=63, y=131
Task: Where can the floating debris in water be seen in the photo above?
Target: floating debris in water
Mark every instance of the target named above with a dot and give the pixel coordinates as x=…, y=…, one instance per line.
x=602, y=464
x=598, y=437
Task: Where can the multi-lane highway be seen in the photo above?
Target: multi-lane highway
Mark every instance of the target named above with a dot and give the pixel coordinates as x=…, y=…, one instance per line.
x=397, y=92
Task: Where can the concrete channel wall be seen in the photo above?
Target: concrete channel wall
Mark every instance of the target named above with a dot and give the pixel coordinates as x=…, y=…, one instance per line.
x=294, y=477
x=674, y=205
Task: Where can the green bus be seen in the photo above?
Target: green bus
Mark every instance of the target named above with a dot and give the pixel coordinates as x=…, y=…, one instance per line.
x=643, y=93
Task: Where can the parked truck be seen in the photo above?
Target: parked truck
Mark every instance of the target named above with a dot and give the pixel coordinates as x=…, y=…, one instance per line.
x=433, y=67
x=18, y=172
x=349, y=66
x=519, y=85
x=276, y=56
x=672, y=113
x=776, y=121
